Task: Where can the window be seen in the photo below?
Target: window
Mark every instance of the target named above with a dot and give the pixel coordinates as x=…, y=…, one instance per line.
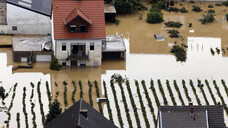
x=64, y=63
x=83, y=28
x=73, y=29
x=14, y=28
x=82, y=63
x=91, y=46
x=63, y=46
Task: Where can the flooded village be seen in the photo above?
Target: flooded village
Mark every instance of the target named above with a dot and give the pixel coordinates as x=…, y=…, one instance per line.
x=124, y=67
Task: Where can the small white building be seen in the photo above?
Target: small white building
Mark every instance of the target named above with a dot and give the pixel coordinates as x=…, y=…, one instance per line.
x=25, y=17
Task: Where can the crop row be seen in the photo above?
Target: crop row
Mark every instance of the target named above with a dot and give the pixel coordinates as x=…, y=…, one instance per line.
x=162, y=92
x=24, y=108
x=117, y=105
x=194, y=91
x=108, y=104
x=202, y=90
x=81, y=91
x=65, y=93
x=178, y=92
x=18, y=120
x=125, y=105
x=40, y=102
x=90, y=93
x=98, y=96
x=171, y=93
x=225, y=87
x=154, y=93
x=186, y=91
x=210, y=91
x=48, y=92
x=149, y=102
x=142, y=105
x=73, y=93
x=32, y=107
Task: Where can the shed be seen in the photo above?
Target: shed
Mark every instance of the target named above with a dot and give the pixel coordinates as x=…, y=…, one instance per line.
x=110, y=12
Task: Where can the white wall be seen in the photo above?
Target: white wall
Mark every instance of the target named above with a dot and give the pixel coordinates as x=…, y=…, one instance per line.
x=94, y=56
x=27, y=22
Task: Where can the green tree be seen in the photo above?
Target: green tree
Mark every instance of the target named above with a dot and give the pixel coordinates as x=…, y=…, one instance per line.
x=54, y=64
x=123, y=6
x=2, y=93
x=54, y=111
x=154, y=17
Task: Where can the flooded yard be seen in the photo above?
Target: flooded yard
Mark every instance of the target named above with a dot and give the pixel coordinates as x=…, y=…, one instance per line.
x=146, y=59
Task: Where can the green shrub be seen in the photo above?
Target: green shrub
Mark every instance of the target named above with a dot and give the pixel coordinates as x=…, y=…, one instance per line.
x=174, y=33
x=171, y=3
x=181, y=4
x=154, y=17
x=183, y=10
x=190, y=25
x=54, y=64
x=191, y=1
x=210, y=6
x=172, y=9
x=218, y=4
x=208, y=18
x=54, y=111
x=173, y=24
x=117, y=22
x=196, y=9
x=211, y=11
x=179, y=52
x=159, y=5
x=225, y=3
x=123, y=6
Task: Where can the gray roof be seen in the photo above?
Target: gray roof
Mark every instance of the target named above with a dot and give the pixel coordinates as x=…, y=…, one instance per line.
x=72, y=118
x=180, y=117
x=40, y=6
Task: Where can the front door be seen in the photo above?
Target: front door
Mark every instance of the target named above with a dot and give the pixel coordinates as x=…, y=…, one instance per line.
x=74, y=63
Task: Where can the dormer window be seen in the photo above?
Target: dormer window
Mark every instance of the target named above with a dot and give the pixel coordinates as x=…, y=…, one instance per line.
x=73, y=29
x=83, y=29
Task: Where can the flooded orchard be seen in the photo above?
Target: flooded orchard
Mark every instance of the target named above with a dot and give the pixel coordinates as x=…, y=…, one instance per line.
x=146, y=59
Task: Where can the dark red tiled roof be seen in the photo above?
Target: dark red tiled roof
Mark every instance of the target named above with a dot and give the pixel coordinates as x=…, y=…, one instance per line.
x=75, y=13
x=89, y=10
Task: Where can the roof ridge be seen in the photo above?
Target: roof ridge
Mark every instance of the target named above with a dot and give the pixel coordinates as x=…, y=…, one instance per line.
x=85, y=15
x=80, y=106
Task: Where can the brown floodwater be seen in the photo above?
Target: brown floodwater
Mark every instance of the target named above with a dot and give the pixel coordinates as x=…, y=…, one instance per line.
x=146, y=58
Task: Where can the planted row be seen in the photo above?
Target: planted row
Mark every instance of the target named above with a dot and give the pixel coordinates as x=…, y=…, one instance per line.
x=18, y=120
x=133, y=104
x=65, y=93
x=171, y=93
x=225, y=87
x=149, y=102
x=48, y=92
x=210, y=91
x=142, y=105
x=186, y=91
x=98, y=96
x=73, y=93
x=24, y=108
x=125, y=105
x=90, y=93
x=32, y=107
x=154, y=93
x=194, y=91
x=220, y=96
x=178, y=92
x=108, y=104
x=162, y=92
x=117, y=105
x=81, y=91
x=202, y=90
x=40, y=102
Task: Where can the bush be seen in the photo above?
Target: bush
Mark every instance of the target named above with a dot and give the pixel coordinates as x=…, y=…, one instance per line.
x=183, y=10
x=210, y=6
x=123, y=6
x=211, y=11
x=226, y=17
x=179, y=52
x=190, y=25
x=173, y=24
x=159, y=5
x=191, y=1
x=196, y=9
x=54, y=111
x=218, y=4
x=172, y=9
x=171, y=3
x=154, y=17
x=225, y=3
x=54, y=64
x=208, y=18
x=174, y=33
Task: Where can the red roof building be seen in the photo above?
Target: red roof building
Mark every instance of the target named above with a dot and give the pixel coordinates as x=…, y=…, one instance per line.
x=74, y=19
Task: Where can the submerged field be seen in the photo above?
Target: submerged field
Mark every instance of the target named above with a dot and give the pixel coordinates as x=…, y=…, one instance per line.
x=146, y=60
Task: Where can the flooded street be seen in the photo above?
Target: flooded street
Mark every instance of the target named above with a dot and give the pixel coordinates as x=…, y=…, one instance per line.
x=146, y=59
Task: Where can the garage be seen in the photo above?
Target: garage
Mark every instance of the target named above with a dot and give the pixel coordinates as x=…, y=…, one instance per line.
x=43, y=58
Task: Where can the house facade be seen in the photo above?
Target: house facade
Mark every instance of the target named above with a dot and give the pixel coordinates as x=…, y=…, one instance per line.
x=78, y=32
x=25, y=17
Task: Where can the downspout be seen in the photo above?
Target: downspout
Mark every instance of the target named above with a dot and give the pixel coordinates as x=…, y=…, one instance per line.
x=207, y=119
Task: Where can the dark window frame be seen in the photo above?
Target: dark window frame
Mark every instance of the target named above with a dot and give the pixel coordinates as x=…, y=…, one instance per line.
x=71, y=27
x=92, y=47
x=85, y=29
x=63, y=46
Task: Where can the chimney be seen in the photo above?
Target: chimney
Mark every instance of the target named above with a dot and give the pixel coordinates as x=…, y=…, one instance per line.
x=84, y=113
x=191, y=110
